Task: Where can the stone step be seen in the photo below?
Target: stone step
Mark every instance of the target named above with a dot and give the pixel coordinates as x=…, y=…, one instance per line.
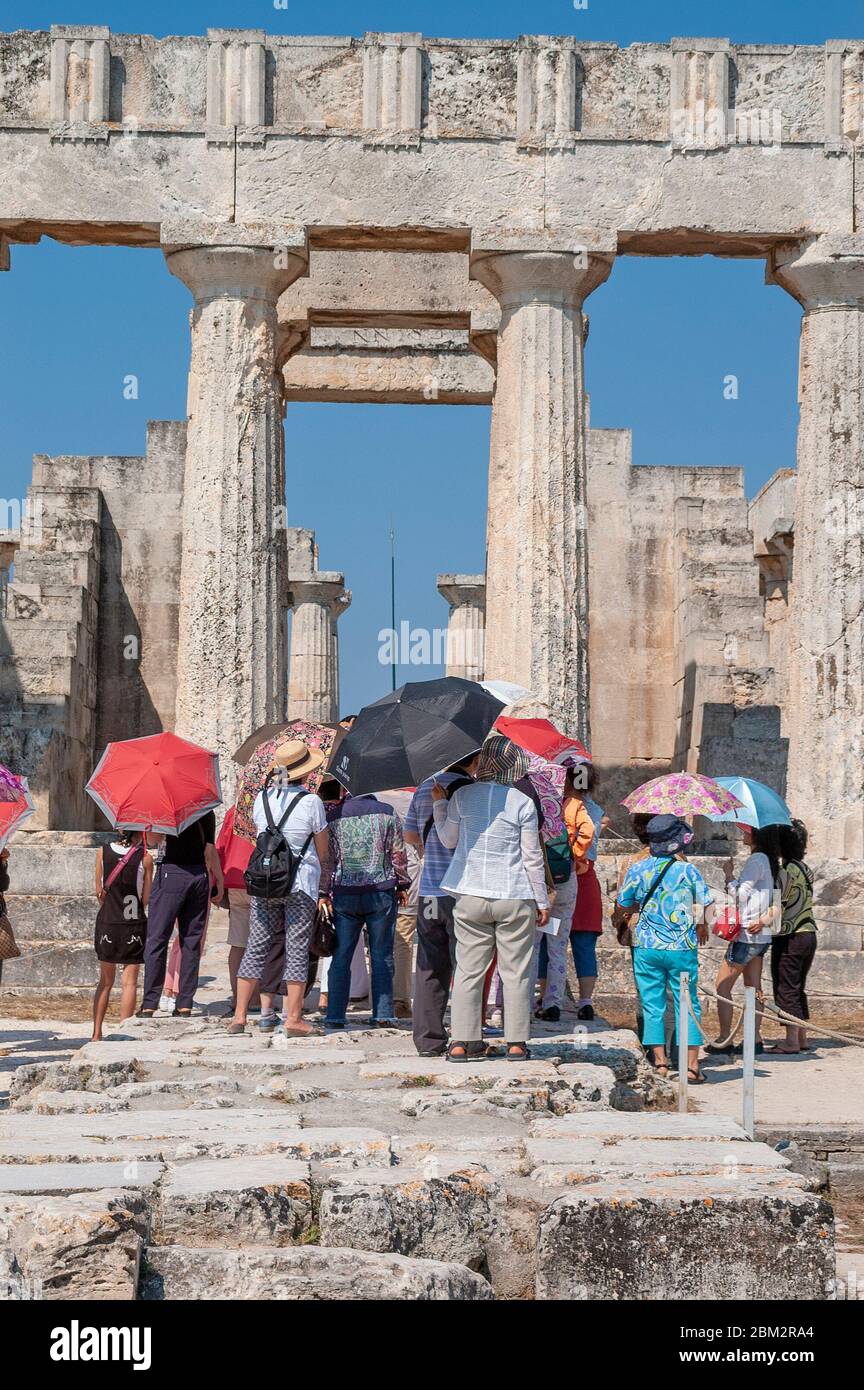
x=682, y=1238
x=304, y=1272
x=79, y=1247
x=52, y=1179
x=232, y=1203
x=51, y=917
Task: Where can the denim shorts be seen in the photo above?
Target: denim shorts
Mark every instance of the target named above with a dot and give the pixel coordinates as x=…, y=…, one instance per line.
x=742, y=952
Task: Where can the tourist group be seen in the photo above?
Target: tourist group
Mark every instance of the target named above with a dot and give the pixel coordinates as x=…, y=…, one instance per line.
x=452, y=840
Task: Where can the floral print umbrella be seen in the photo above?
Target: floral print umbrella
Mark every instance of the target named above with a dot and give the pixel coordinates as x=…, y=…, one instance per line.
x=321, y=736
x=548, y=781
x=681, y=794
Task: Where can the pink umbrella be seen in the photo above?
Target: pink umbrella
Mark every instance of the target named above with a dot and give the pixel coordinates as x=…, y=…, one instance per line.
x=548, y=780
x=681, y=794
x=16, y=804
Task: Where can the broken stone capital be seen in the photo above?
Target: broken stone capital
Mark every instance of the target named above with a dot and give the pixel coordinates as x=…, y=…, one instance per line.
x=326, y=588
x=463, y=590
x=826, y=272
x=466, y=629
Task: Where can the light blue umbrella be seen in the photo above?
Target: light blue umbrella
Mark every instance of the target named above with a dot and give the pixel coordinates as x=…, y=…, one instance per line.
x=760, y=805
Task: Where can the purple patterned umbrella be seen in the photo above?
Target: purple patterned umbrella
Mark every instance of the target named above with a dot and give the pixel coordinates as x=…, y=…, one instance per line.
x=680, y=794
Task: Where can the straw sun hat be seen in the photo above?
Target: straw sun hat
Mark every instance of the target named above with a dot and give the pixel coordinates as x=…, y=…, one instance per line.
x=296, y=759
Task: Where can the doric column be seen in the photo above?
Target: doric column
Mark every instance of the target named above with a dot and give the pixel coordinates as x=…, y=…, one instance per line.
x=318, y=601
x=537, y=561
x=825, y=706
x=466, y=627
x=231, y=649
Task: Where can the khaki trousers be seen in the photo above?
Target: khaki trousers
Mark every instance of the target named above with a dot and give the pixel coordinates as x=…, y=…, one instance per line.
x=403, y=957
x=484, y=925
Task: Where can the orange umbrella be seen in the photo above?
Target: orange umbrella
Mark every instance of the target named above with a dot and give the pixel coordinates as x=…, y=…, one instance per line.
x=161, y=783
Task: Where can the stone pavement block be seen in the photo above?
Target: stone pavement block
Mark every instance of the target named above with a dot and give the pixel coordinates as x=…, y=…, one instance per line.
x=86, y=1246
x=75, y=1177
x=582, y=1159
x=451, y=1074
x=463, y=1212
x=234, y=1202
x=618, y=1049
x=305, y=1273
x=177, y=1134
x=647, y=1125
x=685, y=1240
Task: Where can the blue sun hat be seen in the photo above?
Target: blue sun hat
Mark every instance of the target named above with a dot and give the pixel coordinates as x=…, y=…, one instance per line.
x=667, y=834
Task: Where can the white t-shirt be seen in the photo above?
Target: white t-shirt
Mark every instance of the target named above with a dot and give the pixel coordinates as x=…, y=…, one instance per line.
x=755, y=890
x=307, y=817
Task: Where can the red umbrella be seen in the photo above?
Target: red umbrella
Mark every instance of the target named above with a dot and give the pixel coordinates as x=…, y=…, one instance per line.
x=541, y=737
x=160, y=783
x=16, y=804
x=234, y=853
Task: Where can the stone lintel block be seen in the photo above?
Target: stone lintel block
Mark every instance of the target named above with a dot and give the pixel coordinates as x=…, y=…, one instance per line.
x=382, y=40
x=699, y=45
x=595, y=241
x=236, y=36
x=89, y=32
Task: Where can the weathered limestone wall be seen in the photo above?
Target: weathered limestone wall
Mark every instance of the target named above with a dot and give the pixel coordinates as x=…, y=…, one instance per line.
x=89, y=638
x=771, y=518
x=679, y=659
x=140, y=551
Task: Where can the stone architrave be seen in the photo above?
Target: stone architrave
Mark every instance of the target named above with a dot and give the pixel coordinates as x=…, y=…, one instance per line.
x=537, y=558
x=466, y=627
x=825, y=706
x=232, y=650
x=318, y=601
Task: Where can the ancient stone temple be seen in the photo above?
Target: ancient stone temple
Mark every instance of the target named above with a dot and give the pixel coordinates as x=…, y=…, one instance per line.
x=405, y=219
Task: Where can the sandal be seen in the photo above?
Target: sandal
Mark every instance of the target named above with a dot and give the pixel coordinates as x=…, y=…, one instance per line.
x=517, y=1052
x=662, y=1070
x=146, y=1013
x=695, y=1078
x=236, y=1029
x=182, y=1013
x=470, y=1052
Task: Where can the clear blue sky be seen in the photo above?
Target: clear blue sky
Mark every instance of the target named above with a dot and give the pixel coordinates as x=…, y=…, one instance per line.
x=664, y=333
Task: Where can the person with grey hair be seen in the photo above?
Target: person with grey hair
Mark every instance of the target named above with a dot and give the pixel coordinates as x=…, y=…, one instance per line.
x=497, y=878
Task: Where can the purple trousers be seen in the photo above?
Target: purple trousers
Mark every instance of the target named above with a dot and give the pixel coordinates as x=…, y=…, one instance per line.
x=181, y=894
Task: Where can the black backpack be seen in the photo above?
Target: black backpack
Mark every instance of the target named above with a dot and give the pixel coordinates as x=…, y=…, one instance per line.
x=273, y=866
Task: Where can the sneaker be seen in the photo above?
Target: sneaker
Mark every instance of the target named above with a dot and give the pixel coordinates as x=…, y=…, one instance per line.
x=550, y=1015
x=166, y=1004
x=496, y=1019
x=586, y=1013
x=268, y=1023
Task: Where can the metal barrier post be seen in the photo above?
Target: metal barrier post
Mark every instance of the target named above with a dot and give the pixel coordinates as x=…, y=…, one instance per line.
x=683, y=1020
x=749, y=1061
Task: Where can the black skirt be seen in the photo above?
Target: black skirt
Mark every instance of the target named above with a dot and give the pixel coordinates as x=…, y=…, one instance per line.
x=121, y=944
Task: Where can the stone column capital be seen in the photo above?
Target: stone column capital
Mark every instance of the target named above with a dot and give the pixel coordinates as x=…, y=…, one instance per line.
x=237, y=260
x=326, y=587
x=463, y=590
x=825, y=272
x=520, y=267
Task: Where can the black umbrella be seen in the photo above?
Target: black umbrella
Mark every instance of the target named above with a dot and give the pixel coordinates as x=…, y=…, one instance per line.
x=419, y=729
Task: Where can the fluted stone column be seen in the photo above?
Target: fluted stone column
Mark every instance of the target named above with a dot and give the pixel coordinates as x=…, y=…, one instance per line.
x=318, y=601
x=825, y=703
x=231, y=649
x=466, y=627
x=537, y=559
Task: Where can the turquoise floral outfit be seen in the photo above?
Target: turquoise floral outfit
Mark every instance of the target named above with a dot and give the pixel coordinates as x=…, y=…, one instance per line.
x=664, y=938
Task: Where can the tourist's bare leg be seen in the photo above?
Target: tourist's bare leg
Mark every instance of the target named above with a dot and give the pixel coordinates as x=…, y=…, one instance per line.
x=726, y=977
x=129, y=992
x=107, y=973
